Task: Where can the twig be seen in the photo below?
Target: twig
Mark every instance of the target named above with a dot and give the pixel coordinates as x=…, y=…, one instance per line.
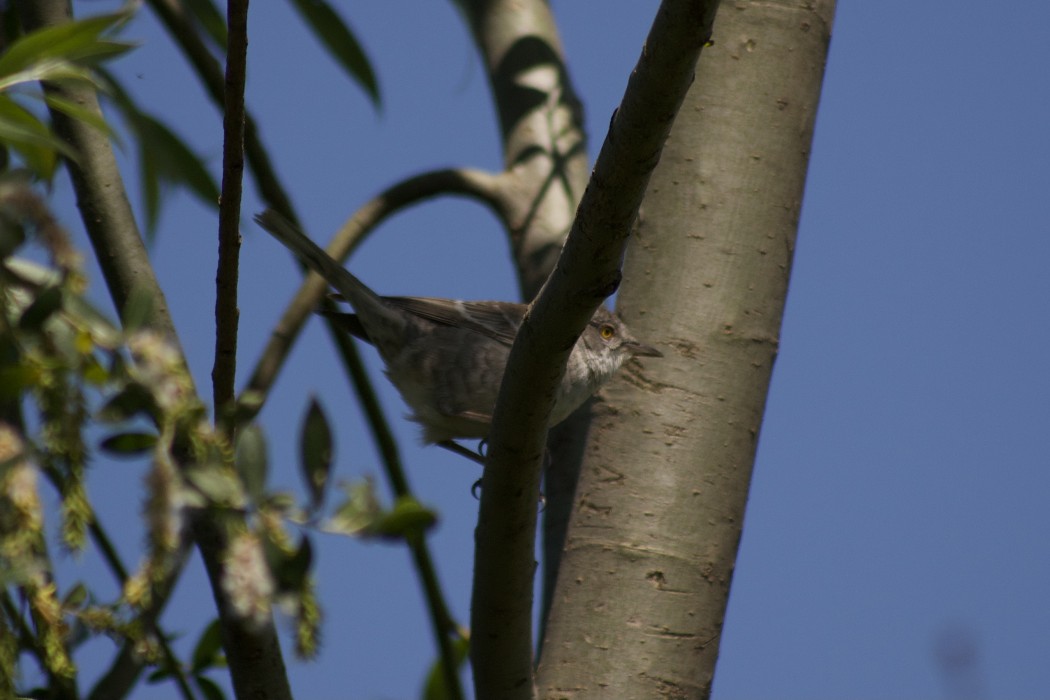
x=226, y=312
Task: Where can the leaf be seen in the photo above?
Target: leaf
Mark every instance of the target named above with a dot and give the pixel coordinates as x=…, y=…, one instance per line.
x=435, y=687
x=12, y=236
x=74, y=110
x=209, y=648
x=251, y=461
x=355, y=516
x=211, y=19
x=162, y=673
x=71, y=41
x=51, y=69
x=408, y=518
x=289, y=570
x=76, y=597
x=163, y=157
x=219, y=486
x=46, y=303
x=14, y=380
x=130, y=444
x=209, y=688
x=31, y=138
x=341, y=43
x=175, y=159
x=133, y=400
x=315, y=444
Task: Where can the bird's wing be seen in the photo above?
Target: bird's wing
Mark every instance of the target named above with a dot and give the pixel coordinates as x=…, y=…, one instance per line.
x=498, y=320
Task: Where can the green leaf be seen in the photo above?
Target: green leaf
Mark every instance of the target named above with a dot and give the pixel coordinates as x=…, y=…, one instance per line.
x=12, y=235
x=31, y=139
x=211, y=19
x=76, y=597
x=163, y=157
x=208, y=652
x=71, y=41
x=133, y=400
x=357, y=514
x=219, y=486
x=209, y=688
x=162, y=673
x=341, y=43
x=131, y=444
x=175, y=160
x=251, y=461
x=435, y=687
x=289, y=571
x=77, y=112
x=315, y=444
x=408, y=518
x=46, y=303
x=51, y=69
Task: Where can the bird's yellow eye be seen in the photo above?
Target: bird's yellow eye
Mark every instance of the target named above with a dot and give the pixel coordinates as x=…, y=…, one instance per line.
x=606, y=332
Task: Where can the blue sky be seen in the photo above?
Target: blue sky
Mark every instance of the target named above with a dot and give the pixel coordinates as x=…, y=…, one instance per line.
x=901, y=484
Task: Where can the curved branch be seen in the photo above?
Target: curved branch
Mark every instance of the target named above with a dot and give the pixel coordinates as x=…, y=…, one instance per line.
x=476, y=184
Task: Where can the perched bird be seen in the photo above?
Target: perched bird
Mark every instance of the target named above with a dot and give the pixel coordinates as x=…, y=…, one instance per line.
x=447, y=357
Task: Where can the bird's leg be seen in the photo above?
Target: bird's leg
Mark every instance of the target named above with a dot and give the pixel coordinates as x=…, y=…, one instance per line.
x=456, y=448
x=476, y=487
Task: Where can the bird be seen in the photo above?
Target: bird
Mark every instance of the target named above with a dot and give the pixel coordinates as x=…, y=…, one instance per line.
x=446, y=357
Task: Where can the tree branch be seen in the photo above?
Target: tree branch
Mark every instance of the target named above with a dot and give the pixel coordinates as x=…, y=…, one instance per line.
x=101, y=196
x=226, y=312
x=254, y=654
x=541, y=123
x=587, y=272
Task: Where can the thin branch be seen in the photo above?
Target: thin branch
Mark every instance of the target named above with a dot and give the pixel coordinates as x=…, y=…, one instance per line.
x=479, y=185
x=587, y=271
x=226, y=312
x=252, y=651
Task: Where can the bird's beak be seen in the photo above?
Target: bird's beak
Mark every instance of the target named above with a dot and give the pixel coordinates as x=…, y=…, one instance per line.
x=643, y=350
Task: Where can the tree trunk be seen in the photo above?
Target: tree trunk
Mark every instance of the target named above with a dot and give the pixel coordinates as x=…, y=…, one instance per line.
x=645, y=573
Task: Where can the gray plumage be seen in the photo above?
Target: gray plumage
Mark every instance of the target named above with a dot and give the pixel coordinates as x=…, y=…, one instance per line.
x=447, y=357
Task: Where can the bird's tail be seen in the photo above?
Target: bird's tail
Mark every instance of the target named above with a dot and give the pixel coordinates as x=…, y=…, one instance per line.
x=366, y=302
